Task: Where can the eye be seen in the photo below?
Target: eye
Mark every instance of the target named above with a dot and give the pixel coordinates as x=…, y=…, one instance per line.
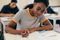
x=38, y=9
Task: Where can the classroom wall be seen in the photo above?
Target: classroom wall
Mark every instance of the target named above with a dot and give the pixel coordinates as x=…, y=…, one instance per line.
x=54, y=2
x=4, y=2
x=22, y=3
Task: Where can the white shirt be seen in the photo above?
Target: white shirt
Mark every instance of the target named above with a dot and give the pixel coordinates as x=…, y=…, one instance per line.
x=28, y=21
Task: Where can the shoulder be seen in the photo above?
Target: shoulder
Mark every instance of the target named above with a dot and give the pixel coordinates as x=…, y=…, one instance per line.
x=19, y=13
x=22, y=11
x=43, y=18
x=5, y=6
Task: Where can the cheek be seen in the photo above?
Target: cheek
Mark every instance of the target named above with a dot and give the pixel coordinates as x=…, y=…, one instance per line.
x=39, y=13
x=13, y=6
x=34, y=11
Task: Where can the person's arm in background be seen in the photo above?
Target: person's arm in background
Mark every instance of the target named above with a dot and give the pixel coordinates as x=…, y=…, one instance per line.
x=6, y=14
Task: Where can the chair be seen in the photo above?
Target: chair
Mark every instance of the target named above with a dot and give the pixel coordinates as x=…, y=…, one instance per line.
x=1, y=32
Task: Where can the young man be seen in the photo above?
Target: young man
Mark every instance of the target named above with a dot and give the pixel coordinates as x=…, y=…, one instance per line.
x=30, y=19
x=10, y=9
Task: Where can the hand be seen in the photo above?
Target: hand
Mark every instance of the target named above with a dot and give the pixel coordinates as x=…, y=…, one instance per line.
x=32, y=30
x=25, y=33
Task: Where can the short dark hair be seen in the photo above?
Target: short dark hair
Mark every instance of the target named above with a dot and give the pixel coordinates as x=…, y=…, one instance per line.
x=30, y=6
x=46, y=2
x=14, y=1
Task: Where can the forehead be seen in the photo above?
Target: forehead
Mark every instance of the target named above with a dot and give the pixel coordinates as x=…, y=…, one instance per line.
x=40, y=4
x=13, y=3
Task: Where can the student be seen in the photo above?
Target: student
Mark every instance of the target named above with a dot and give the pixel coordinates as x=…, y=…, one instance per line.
x=30, y=19
x=9, y=9
x=49, y=11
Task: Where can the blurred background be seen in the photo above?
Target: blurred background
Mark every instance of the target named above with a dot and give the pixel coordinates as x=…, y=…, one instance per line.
x=55, y=4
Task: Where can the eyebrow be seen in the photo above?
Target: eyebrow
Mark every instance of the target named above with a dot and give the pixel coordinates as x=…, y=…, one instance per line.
x=39, y=8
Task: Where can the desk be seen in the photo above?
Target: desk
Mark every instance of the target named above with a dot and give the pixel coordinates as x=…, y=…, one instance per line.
x=5, y=21
x=53, y=17
x=43, y=35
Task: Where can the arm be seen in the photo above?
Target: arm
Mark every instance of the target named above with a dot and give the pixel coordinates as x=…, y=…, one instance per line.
x=9, y=28
x=47, y=26
x=15, y=19
x=6, y=14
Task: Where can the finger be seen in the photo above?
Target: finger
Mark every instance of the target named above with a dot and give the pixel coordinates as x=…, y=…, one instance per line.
x=25, y=35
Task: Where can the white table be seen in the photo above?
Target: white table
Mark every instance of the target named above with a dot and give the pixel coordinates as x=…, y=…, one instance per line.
x=53, y=17
x=5, y=21
x=43, y=35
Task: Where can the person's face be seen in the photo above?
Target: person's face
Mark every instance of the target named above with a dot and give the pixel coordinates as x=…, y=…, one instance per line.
x=13, y=5
x=38, y=9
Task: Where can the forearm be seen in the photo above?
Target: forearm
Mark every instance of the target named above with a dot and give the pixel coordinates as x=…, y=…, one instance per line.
x=6, y=15
x=40, y=28
x=44, y=28
x=10, y=28
x=12, y=31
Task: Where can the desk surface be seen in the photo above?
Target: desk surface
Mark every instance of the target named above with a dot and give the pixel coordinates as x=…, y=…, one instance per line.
x=43, y=35
x=52, y=16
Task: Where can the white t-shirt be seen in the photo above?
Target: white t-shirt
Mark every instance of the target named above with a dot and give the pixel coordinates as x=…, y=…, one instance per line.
x=28, y=21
